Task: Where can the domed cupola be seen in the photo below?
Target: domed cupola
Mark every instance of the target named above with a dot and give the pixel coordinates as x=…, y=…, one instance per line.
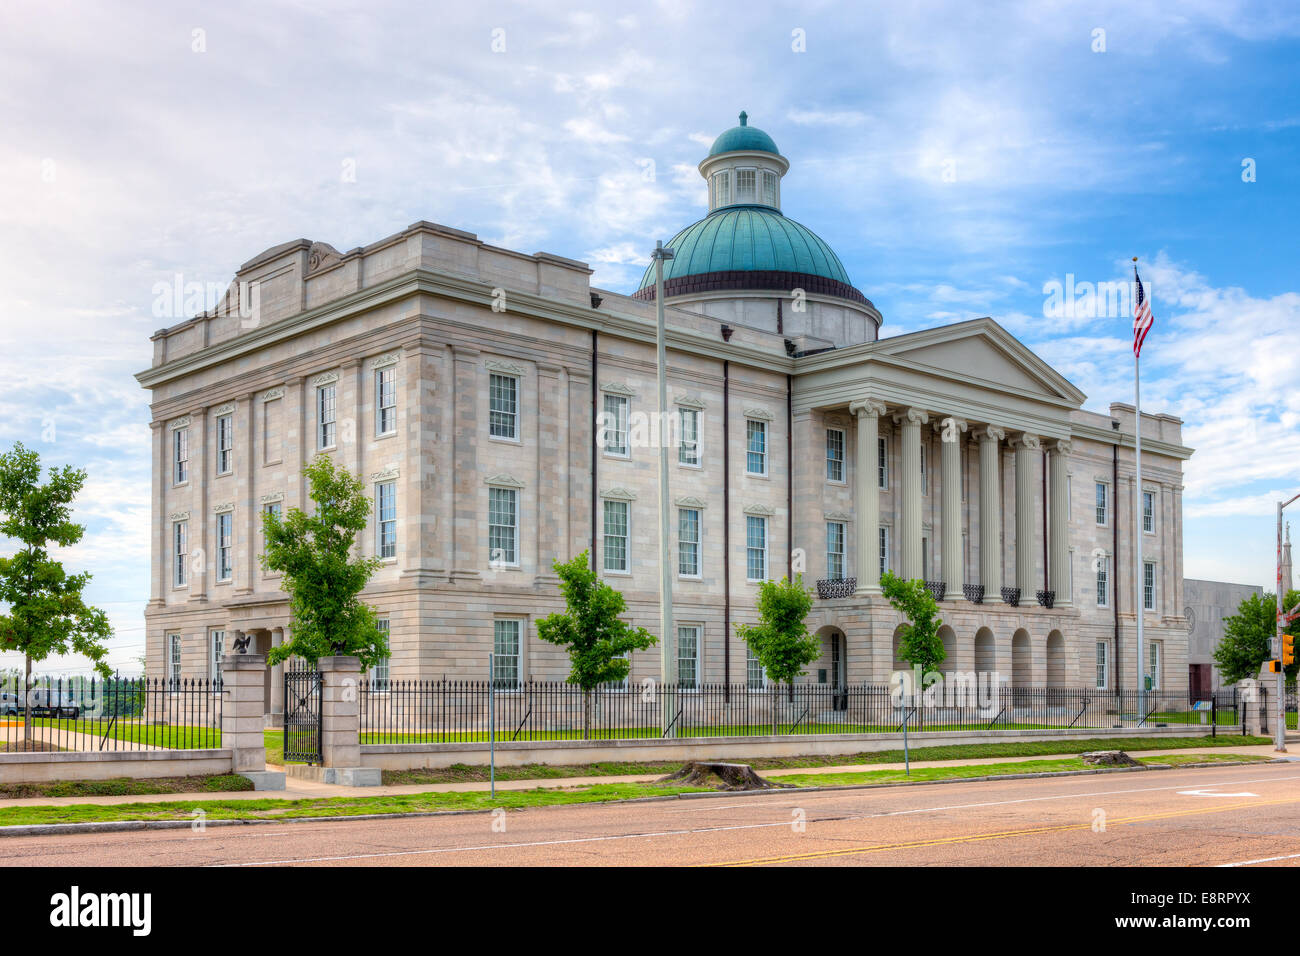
x=741, y=260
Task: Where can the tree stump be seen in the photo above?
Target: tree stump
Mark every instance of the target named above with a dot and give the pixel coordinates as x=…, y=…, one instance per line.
x=720, y=776
x=1108, y=758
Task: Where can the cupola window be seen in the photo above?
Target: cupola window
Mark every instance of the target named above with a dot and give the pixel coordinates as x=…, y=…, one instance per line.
x=769, y=188
x=721, y=189
x=746, y=184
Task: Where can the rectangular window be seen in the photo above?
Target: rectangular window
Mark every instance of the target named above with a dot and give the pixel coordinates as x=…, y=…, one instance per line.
x=386, y=400
x=688, y=656
x=754, y=676
x=506, y=644
x=1102, y=677
x=688, y=542
x=613, y=425
x=503, y=406
x=180, y=456
x=1148, y=585
x=225, y=444
x=180, y=552
x=1149, y=512
x=1153, y=664
x=925, y=470
x=755, y=447
x=1103, y=581
x=925, y=559
x=769, y=188
x=884, y=550
x=503, y=526
x=616, y=556
x=379, y=674
x=271, y=510
x=835, y=550
x=721, y=189
x=326, y=429
x=225, y=545
x=386, y=511
x=755, y=548
x=688, y=448
x=217, y=643
x=1103, y=503
x=174, y=659
x=834, y=454
x=882, y=463
x=746, y=185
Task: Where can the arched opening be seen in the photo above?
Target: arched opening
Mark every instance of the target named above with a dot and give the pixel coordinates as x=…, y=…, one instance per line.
x=831, y=670
x=899, y=663
x=1055, y=659
x=986, y=656
x=949, y=638
x=1022, y=662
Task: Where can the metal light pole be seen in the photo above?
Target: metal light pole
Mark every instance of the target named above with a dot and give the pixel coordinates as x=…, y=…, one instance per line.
x=667, y=635
x=1279, y=734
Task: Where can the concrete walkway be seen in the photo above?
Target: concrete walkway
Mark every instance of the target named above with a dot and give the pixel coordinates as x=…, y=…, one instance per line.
x=296, y=789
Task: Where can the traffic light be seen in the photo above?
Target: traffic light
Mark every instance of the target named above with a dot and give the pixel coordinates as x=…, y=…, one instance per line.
x=1275, y=667
x=1288, y=650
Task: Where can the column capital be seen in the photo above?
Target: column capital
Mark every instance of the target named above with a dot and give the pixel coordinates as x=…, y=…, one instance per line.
x=867, y=407
x=950, y=425
x=915, y=416
x=990, y=433
x=1026, y=440
x=1062, y=446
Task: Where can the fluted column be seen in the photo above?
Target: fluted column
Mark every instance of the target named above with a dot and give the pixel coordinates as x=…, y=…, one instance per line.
x=910, y=422
x=277, y=680
x=1058, y=529
x=990, y=513
x=866, y=496
x=1026, y=447
x=950, y=430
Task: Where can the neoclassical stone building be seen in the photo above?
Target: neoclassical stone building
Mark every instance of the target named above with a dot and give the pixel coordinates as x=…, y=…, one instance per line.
x=502, y=411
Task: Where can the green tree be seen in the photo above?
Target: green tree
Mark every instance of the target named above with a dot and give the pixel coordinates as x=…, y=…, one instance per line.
x=1248, y=637
x=322, y=574
x=46, y=612
x=780, y=640
x=590, y=628
x=919, y=644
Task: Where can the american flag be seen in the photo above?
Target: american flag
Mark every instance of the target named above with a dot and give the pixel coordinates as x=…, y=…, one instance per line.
x=1142, y=317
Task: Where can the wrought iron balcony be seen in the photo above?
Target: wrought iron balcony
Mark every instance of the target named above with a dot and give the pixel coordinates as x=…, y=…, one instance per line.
x=1011, y=596
x=974, y=593
x=1046, y=598
x=831, y=588
x=937, y=589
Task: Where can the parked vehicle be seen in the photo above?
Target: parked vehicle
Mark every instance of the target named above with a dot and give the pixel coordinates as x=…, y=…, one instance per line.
x=46, y=702
x=8, y=704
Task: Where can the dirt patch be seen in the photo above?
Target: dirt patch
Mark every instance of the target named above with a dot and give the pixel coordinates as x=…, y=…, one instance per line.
x=720, y=776
x=126, y=786
x=1108, y=758
x=27, y=746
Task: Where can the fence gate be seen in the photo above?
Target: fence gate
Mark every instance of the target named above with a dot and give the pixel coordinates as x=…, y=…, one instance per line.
x=302, y=716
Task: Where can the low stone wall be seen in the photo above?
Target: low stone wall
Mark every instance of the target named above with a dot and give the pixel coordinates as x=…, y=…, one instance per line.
x=105, y=765
x=513, y=754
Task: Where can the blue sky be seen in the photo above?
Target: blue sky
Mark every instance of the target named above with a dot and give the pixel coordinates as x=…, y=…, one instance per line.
x=957, y=156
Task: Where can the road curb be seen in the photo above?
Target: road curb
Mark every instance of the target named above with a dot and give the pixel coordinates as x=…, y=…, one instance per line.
x=121, y=826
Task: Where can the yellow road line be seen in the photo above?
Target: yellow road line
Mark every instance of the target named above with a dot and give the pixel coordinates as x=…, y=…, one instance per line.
x=999, y=835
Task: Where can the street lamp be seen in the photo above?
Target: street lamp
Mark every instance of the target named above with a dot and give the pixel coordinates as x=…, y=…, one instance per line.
x=667, y=637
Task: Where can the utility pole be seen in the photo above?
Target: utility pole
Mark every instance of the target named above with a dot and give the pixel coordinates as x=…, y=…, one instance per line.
x=667, y=634
x=1279, y=734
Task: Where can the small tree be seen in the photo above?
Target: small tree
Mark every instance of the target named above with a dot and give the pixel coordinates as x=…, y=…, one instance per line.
x=46, y=612
x=780, y=640
x=920, y=644
x=321, y=572
x=1248, y=637
x=591, y=630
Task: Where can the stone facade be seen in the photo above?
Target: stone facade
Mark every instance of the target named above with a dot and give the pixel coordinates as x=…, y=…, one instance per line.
x=1208, y=603
x=980, y=438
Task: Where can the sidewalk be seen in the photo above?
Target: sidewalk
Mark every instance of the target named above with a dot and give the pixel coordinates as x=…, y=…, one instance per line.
x=296, y=789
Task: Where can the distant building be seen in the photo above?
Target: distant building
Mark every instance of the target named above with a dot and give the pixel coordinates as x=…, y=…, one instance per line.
x=1208, y=603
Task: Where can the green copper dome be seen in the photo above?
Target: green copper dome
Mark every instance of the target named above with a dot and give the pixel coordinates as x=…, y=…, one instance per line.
x=743, y=137
x=748, y=239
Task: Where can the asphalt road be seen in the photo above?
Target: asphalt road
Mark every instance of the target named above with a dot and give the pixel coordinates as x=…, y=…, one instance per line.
x=1243, y=815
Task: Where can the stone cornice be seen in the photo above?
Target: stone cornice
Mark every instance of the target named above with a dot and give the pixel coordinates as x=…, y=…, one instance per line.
x=691, y=502
x=618, y=493
x=384, y=361
x=224, y=508
x=325, y=378
x=225, y=409
x=273, y=498
x=759, y=509
x=503, y=480
x=271, y=394
x=688, y=401
x=759, y=414
x=505, y=368
x=618, y=388
x=180, y=423
x=388, y=474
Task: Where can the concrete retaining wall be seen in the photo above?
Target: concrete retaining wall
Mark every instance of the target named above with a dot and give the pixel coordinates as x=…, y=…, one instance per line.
x=413, y=756
x=105, y=765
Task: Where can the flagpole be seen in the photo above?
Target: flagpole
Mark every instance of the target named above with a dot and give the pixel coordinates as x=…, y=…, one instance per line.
x=1139, y=596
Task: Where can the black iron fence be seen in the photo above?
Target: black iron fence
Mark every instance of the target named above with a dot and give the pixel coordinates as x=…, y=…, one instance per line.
x=303, y=715
x=453, y=711
x=116, y=713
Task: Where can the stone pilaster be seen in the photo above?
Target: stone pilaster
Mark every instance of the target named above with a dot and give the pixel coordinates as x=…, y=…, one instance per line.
x=200, y=520
x=950, y=431
x=990, y=438
x=243, y=711
x=1026, y=448
x=469, y=544
x=552, y=473
x=1058, y=531
x=866, y=496
x=910, y=422
x=340, y=740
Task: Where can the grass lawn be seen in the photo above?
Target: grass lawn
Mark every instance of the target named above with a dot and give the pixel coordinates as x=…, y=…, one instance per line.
x=122, y=786
x=462, y=773
x=272, y=809
x=171, y=736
